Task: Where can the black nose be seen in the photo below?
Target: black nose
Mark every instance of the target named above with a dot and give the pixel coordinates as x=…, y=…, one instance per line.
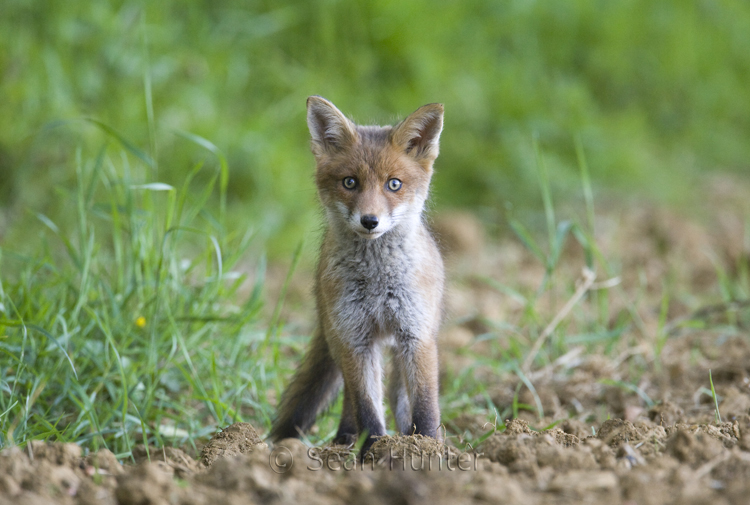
x=369, y=221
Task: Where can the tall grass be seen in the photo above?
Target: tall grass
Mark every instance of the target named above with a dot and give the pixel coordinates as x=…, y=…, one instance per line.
x=656, y=90
x=131, y=326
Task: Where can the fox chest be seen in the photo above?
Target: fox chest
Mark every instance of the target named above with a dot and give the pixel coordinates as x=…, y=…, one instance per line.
x=377, y=297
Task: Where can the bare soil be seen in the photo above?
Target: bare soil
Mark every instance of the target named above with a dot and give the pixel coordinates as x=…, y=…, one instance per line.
x=633, y=421
x=642, y=462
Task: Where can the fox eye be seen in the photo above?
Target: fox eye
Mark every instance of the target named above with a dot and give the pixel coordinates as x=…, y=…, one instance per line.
x=350, y=182
x=394, y=184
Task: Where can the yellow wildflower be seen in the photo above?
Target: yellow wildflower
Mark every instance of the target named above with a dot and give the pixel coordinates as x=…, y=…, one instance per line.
x=140, y=322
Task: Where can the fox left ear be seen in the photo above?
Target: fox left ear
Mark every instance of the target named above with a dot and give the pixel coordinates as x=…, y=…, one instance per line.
x=419, y=134
x=330, y=130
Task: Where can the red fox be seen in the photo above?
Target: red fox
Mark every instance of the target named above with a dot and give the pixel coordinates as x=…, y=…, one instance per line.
x=379, y=280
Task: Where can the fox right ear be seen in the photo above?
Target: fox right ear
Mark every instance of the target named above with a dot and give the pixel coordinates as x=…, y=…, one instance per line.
x=419, y=134
x=330, y=130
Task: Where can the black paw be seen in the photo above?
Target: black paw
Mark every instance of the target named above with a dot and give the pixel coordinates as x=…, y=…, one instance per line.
x=364, y=452
x=347, y=439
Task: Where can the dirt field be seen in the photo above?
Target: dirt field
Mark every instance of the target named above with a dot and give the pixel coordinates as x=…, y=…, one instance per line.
x=635, y=416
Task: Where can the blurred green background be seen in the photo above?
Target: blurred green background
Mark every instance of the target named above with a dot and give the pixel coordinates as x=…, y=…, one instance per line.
x=657, y=92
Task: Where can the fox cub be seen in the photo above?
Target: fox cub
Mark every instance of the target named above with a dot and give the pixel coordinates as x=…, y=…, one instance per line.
x=379, y=281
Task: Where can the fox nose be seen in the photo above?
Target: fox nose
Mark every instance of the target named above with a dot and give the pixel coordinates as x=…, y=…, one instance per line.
x=369, y=221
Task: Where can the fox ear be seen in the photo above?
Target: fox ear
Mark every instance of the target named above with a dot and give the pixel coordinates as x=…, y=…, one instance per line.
x=330, y=130
x=419, y=134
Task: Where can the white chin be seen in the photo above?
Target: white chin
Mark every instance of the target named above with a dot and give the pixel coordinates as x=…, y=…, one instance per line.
x=369, y=235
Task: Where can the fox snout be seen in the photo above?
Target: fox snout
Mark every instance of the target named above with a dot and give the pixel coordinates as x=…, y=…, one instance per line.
x=369, y=221
x=372, y=180
x=370, y=224
x=369, y=210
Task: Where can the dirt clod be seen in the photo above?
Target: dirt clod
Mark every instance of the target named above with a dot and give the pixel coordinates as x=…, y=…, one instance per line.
x=147, y=484
x=616, y=432
x=180, y=463
x=735, y=403
x=666, y=413
x=693, y=449
x=239, y=438
x=414, y=450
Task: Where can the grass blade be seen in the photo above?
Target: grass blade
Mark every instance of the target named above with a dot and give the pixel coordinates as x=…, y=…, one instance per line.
x=129, y=146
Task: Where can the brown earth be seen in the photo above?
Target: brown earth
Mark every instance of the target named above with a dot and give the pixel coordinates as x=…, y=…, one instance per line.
x=642, y=462
x=632, y=419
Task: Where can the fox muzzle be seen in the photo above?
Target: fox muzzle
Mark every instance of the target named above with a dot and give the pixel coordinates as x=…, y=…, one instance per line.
x=369, y=221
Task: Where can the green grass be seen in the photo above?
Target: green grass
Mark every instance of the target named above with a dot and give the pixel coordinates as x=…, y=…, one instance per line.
x=130, y=324
x=655, y=92
x=144, y=320
x=715, y=399
x=132, y=249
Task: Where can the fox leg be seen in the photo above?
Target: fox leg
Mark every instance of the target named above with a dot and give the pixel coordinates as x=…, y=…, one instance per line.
x=398, y=396
x=313, y=387
x=421, y=366
x=347, y=432
x=363, y=384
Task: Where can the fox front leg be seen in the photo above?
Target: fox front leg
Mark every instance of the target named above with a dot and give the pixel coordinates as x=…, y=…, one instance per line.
x=363, y=391
x=398, y=396
x=420, y=367
x=347, y=432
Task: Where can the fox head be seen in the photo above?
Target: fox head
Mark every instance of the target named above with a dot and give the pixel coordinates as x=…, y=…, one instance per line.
x=373, y=179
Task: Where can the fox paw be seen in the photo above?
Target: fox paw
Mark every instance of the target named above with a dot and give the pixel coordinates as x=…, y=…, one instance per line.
x=347, y=439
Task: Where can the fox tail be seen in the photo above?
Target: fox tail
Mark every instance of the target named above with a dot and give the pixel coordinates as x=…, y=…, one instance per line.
x=315, y=384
